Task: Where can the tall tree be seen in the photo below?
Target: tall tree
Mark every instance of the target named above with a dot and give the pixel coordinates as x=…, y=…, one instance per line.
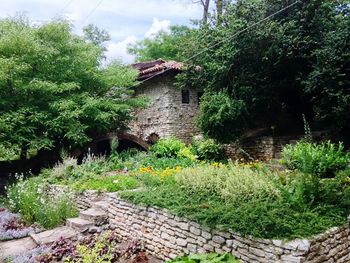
x=219, y=11
x=53, y=90
x=163, y=45
x=205, y=4
x=292, y=64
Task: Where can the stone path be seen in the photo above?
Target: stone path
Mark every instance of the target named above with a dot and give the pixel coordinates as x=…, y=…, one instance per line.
x=15, y=247
x=87, y=220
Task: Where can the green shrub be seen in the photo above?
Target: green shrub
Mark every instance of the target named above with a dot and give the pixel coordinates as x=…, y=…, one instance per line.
x=28, y=198
x=323, y=160
x=171, y=147
x=208, y=149
x=205, y=258
x=233, y=183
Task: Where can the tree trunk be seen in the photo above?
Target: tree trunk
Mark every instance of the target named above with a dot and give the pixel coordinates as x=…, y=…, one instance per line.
x=205, y=10
x=24, y=151
x=219, y=11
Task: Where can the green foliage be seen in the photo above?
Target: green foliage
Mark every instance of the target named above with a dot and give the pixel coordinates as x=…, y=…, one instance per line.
x=323, y=160
x=294, y=63
x=171, y=147
x=95, y=35
x=107, y=183
x=163, y=45
x=221, y=117
x=328, y=81
x=232, y=183
x=28, y=198
x=205, y=258
x=207, y=149
x=44, y=104
x=252, y=200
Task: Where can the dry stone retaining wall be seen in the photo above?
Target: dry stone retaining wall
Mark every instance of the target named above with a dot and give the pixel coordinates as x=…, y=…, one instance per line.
x=166, y=236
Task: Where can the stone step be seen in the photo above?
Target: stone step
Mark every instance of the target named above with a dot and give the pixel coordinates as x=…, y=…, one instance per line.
x=15, y=247
x=50, y=236
x=96, y=216
x=79, y=224
x=100, y=205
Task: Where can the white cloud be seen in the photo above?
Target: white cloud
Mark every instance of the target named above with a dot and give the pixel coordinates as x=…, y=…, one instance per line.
x=125, y=20
x=158, y=25
x=118, y=50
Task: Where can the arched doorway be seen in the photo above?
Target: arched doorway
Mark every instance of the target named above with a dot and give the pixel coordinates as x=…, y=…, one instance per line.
x=102, y=146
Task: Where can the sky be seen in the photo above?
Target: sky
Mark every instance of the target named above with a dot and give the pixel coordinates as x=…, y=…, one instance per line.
x=127, y=21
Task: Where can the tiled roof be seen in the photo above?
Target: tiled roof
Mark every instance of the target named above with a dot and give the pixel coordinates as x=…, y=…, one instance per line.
x=153, y=68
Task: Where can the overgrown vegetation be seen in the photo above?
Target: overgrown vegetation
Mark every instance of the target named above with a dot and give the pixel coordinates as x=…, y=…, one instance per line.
x=249, y=198
x=28, y=198
x=319, y=159
x=97, y=248
x=293, y=63
x=205, y=258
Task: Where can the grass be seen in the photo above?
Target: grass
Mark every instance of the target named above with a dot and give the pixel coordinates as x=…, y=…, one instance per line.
x=107, y=183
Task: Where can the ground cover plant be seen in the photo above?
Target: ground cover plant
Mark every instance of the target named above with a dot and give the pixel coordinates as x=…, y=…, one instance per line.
x=250, y=198
x=106, y=247
x=12, y=226
x=205, y=258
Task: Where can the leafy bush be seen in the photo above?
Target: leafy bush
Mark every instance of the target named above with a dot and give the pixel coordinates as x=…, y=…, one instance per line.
x=323, y=160
x=28, y=198
x=221, y=117
x=171, y=147
x=205, y=258
x=208, y=149
x=233, y=183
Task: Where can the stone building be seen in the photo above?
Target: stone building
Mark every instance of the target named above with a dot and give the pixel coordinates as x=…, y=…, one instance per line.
x=171, y=112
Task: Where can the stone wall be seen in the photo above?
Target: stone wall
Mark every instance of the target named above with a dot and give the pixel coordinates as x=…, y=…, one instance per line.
x=82, y=200
x=258, y=148
x=166, y=115
x=167, y=236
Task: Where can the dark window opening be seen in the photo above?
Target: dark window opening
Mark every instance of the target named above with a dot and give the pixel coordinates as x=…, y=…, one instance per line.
x=185, y=96
x=199, y=96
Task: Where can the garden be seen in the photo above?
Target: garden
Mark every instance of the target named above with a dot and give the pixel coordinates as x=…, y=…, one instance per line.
x=308, y=194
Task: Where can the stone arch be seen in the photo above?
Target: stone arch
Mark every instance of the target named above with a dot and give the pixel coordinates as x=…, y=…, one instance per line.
x=152, y=138
x=101, y=144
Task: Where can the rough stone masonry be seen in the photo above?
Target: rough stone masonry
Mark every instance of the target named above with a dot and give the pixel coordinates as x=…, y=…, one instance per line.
x=167, y=236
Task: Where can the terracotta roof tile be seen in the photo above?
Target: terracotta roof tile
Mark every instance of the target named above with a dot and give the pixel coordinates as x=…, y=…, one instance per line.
x=153, y=68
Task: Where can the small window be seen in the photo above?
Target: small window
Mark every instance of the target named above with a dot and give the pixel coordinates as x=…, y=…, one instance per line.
x=185, y=96
x=199, y=96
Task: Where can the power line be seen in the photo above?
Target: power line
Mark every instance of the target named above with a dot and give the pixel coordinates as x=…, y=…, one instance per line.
x=91, y=12
x=243, y=30
x=65, y=6
x=234, y=35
